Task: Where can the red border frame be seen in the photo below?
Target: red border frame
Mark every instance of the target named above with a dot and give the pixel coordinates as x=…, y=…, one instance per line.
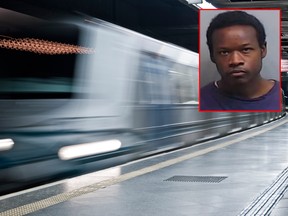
x=199, y=68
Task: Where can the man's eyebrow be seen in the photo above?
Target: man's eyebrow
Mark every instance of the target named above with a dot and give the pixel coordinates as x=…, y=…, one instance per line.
x=227, y=48
x=222, y=48
x=246, y=44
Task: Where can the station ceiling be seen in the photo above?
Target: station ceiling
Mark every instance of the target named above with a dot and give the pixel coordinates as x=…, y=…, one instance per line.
x=167, y=20
x=173, y=21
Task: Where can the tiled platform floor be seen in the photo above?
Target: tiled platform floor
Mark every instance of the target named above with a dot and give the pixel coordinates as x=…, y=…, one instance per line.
x=249, y=163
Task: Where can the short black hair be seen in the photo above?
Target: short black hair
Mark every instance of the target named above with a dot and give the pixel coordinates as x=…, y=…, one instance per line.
x=231, y=18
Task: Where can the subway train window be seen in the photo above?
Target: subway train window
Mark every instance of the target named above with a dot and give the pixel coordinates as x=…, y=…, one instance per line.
x=164, y=81
x=184, y=84
x=37, y=57
x=154, y=79
x=34, y=76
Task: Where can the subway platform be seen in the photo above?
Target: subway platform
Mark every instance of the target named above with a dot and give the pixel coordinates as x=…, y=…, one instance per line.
x=242, y=174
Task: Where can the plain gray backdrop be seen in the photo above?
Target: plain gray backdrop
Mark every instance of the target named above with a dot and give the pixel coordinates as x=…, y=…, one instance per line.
x=271, y=63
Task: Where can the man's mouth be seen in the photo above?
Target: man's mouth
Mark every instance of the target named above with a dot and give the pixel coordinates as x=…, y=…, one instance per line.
x=237, y=73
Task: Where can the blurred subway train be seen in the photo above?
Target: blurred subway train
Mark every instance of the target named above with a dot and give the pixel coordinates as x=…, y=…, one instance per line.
x=78, y=90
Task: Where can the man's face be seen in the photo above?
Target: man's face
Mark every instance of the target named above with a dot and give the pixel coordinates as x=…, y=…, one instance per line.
x=237, y=54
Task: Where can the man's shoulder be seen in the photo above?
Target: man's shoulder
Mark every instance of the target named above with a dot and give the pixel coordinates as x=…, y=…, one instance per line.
x=275, y=88
x=277, y=83
x=208, y=88
x=209, y=97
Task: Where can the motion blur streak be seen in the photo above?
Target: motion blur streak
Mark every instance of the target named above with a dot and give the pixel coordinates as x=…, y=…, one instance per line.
x=86, y=149
x=6, y=144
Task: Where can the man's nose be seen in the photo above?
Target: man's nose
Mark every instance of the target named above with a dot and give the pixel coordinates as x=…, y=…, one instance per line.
x=236, y=59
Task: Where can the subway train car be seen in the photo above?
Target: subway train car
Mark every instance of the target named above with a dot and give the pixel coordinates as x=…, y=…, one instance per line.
x=76, y=91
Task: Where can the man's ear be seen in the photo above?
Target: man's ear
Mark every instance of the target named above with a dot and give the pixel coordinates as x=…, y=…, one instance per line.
x=264, y=50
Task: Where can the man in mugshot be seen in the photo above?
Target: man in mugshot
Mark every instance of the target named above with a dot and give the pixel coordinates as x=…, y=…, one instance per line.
x=237, y=45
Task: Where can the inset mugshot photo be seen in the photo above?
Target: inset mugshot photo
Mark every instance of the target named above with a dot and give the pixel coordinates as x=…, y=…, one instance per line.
x=240, y=60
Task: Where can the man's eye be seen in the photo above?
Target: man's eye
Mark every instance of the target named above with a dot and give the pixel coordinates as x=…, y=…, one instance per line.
x=246, y=50
x=224, y=53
